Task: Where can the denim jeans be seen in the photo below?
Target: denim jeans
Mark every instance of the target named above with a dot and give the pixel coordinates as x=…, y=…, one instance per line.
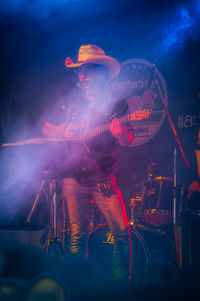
x=112, y=206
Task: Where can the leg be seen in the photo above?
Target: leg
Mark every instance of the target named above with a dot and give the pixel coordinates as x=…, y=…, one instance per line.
x=113, y=208
x=77, y=198
x=197, y=152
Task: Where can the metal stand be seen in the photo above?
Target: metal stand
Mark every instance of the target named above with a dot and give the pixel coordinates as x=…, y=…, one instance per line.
x=132, y=206
x=36, y=200
x=177, y=142
x=174, y=187
x=54, y=246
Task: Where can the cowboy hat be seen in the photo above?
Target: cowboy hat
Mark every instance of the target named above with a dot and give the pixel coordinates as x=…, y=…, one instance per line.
x=91, y=54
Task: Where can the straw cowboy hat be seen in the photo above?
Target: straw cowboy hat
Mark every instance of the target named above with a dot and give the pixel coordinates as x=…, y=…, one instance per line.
x=91, y=54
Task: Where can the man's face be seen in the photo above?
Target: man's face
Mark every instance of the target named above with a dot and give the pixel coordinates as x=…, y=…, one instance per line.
x=91, y=77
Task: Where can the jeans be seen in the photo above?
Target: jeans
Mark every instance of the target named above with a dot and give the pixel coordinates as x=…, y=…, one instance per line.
x=113, y=208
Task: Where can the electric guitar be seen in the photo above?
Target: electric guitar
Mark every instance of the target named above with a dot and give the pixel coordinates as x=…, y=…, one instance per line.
x=134, y=116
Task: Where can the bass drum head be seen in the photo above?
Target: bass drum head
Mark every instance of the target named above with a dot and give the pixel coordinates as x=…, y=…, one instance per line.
x=151, y=251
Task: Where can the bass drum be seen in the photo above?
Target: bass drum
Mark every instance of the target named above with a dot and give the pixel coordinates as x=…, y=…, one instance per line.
x=152, y=251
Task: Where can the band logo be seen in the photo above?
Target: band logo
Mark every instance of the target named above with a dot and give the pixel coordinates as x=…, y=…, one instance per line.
x=136, y=85
x=109, y=238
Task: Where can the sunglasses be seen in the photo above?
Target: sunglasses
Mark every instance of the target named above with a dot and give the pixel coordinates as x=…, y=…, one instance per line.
x=90, y=68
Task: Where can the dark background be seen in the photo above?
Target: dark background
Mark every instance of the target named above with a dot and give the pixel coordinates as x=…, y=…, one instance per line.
x=36, y=38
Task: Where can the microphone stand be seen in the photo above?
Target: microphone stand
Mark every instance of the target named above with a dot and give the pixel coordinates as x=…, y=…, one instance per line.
x=35, y=202
x=54, y=246
x=177, y=144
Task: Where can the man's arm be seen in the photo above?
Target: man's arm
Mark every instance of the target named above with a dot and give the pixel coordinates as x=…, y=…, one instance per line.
x=53, y=131
x=58, y=131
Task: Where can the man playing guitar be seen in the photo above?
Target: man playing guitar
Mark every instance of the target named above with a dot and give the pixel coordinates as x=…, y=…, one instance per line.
x=92, y=168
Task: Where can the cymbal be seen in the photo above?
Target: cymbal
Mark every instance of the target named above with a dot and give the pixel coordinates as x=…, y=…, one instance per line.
x=167, y=179
x=37, y=140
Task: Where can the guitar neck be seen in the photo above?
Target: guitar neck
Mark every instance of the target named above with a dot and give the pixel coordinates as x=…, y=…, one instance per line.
x=104, y=128
x=155, y=117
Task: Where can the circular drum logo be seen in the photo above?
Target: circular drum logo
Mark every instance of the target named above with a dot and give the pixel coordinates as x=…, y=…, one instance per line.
x=137, y=85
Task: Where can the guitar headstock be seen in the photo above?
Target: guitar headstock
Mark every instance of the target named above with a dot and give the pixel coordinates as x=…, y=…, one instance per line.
x=140, y=114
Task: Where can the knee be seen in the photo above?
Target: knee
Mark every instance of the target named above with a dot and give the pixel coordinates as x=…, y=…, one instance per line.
x=122, y=234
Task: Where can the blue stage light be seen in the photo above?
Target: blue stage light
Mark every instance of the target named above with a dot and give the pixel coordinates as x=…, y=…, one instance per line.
x=181, y=25
x=45, y=9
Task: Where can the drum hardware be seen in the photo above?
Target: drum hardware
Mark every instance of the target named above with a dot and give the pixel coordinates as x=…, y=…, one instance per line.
x=152, y=250
x=133, y=203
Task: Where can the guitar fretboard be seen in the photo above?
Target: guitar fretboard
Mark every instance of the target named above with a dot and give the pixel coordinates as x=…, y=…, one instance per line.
x=103, y=128
x=153, y=118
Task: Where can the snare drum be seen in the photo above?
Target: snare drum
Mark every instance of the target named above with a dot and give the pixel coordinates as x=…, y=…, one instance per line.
x=152, y=250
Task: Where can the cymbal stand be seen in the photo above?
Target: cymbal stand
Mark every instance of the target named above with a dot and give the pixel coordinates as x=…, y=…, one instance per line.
x=134, y=203
x=132, y=206
x=176, y=145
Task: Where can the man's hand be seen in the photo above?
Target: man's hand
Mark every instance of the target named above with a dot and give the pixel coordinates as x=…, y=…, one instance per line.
x=50, y=130
x=120, y=132
x=70, y=132
x=116, y=127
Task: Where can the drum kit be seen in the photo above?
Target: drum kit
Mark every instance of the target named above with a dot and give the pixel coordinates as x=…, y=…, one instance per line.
x=150, y=218
x=160, y=248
